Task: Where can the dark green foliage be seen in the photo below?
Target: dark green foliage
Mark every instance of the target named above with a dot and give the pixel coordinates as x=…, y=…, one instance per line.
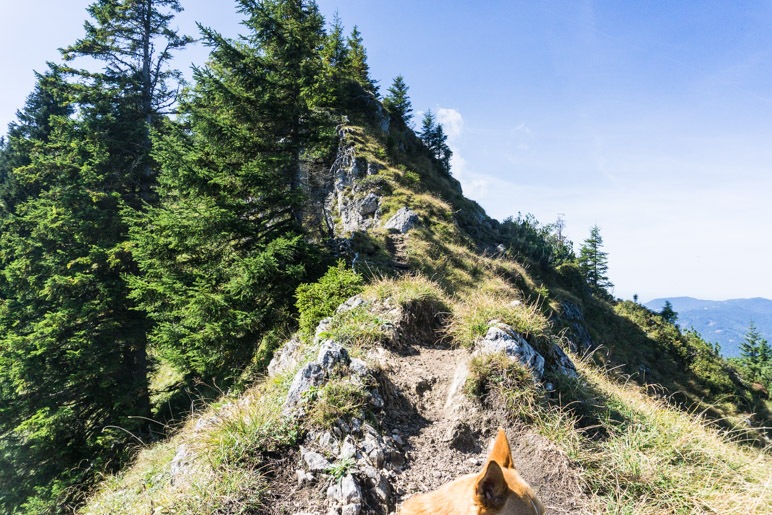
x=525, y=237
x=73, y=367
x=397, y=101
x=357, y=62
x=70, y=343
x=755, y=361
x=318, y=300
x=668, y=314
x=224, y=251
x=435, y=139
x=593, y=263
x=134, y=42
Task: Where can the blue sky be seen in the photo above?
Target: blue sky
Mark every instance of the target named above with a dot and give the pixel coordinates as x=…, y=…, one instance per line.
x=652, y=120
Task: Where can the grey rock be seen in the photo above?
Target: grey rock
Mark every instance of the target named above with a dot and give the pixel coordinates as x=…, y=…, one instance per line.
x=404, y=220
x=359, y=367
x=369, y=205
x=349, y=449
x=328, y=443
x=350, y=493
x=304, y=477
x=181, y=463
x=285, y=358
x=310, y=375
x=351, y=509
x=314, y=461
x=322, y=327
x=351, y=303
x=502, y=338
x=561, y=363
x=331, y=353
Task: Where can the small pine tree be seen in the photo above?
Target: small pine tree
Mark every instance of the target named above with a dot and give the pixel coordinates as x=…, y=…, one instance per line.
x=593, y=264
x=668, y=314
x=357, y=62
x=435, y=139
x=756, y=356
x=397, y=102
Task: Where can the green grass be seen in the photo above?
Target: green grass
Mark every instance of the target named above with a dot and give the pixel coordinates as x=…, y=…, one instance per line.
x=473, y=314
x=639, y=455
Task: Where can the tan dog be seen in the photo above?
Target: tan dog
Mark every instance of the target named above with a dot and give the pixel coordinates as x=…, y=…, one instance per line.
x=497, y=490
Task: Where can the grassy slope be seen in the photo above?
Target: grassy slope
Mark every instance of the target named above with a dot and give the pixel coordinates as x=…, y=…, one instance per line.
x=636, y=454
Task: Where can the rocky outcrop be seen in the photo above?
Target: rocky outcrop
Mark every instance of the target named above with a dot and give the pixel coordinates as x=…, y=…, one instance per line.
x=402, y=221
x=357, y=208
x=503, y=338
x=578, y=336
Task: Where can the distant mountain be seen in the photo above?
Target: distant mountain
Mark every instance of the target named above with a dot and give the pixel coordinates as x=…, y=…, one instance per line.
x=724, y=322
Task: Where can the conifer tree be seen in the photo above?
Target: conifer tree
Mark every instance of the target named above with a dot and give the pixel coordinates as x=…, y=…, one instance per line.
x=72, y=346
x=397, y=101
x=668, y=314
x=357, y=61
x=756, y=356
x=135, y=43
x=435, y=139
x=224, y=250
x=593, y=263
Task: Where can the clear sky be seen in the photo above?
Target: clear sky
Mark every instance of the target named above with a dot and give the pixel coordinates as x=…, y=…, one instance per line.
x=652, y=120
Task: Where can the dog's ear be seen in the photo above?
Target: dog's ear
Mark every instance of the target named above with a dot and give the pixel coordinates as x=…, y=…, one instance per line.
x=501, y=453
x=490, y=489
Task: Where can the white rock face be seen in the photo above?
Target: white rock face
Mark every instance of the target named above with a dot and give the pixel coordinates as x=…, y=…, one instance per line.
x=503, y=338
x=404, y=220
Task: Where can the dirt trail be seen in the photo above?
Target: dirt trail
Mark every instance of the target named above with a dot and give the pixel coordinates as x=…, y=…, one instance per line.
x=448, y=436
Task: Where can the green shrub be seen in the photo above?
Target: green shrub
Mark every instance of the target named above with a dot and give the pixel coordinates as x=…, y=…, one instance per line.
x=318, y=300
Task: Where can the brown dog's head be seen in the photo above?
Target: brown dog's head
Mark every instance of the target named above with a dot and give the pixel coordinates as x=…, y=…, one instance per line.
x=499, y=489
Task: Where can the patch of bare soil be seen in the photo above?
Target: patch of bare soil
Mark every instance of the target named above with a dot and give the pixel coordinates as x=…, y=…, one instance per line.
x=441, y=433
x=447, y=435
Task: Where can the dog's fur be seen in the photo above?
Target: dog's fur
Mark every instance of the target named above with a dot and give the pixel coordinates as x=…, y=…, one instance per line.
x=497, y=490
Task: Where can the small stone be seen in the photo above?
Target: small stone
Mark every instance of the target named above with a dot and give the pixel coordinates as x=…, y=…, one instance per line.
x=304, y=477
x=350, y=493
x=348, y=450
x=315, y=461
x=398, y=440
x=359, y=367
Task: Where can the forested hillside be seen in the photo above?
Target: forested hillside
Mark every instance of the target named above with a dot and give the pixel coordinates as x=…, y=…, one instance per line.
x=160, y=244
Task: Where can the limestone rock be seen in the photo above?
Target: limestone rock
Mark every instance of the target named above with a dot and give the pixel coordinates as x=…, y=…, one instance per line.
x=285, y=358
x=332, y=353
x=310, y=375
x=503, y=338
x=404, y=220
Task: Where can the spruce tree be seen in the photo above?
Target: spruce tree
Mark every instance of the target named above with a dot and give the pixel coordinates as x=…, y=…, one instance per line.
x=593, y=264
x=435, y=139
x=397, y=101
x=756, y=356
x=224, y=250
x=73, y=370
x=357, y=62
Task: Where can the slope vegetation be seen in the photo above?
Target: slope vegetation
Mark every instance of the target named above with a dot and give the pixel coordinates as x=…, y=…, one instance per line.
x=395, y=393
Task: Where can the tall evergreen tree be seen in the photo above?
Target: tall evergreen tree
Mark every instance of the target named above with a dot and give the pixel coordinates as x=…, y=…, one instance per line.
x=593, y=263
x=224, y=251
x=435, y=139
x=397, y=101
x=134, y=41
x=72, y=346
x=357, y=61
x=756, y=357
x=668, y=314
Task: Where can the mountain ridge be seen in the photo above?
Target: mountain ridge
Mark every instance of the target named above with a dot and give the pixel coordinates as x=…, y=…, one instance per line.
x=721, y=321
